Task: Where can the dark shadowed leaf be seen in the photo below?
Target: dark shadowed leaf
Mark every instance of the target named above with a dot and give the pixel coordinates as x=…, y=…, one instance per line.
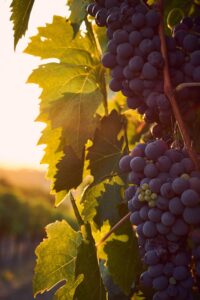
x=21, y=11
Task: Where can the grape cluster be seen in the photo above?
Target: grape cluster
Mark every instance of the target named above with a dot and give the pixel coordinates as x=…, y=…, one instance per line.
x=134, y=58
x=164, y=200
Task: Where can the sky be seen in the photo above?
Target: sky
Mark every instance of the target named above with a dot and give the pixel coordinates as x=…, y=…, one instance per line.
x=19, y=102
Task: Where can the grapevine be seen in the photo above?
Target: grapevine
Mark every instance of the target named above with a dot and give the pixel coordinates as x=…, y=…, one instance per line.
x=120, y=99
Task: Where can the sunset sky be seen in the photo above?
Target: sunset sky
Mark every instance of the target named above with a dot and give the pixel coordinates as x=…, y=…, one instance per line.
x=19, y=101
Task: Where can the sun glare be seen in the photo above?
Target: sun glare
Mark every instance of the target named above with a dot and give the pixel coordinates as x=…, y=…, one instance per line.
x=19, y=102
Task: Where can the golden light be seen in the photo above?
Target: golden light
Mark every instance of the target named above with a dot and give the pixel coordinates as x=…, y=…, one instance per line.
x=19, y=102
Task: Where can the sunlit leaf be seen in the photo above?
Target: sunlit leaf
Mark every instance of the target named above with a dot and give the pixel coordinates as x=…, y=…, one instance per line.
x=61, y=244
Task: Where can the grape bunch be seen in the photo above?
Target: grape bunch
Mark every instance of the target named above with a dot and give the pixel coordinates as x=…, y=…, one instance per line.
x=133, y=56
x=164, y=200
x=136, y=64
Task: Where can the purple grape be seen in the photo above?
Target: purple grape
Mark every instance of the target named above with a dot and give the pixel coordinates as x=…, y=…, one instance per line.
x=191, y=215
x=166, y=190
x=180, y=273
x=150, y=170
x=135, y=38
x=167, y=219
x=109, y=60
x=152, y=18
x=179, y=185
x=175, y=206
x=124, y=163
x=154, y=215
x=120, y=36
x=160, y=283
x=180, y=228
x=149, y=229
x=145, y=279
x=190, y=198
x=155, y=185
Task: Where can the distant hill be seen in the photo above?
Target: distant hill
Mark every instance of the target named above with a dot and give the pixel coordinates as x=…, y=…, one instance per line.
x=25, y=178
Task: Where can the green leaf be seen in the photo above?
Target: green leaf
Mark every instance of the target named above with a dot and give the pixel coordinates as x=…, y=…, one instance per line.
x=81, y=124
x=69, y=171
x=57, y=79
x=56, y=41
x=123, y=259
x=21, y=11
x=108, y=204
x=89, y=201
x=56, y=260
x=107, y=147
x=72, y=89
x=87, y=264
x=78, y=13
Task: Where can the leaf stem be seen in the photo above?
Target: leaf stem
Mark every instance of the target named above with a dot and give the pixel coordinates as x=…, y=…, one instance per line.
x=169, y=92
x=113, y=229
x=75, y=209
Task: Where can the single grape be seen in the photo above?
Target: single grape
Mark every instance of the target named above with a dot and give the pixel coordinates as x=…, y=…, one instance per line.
x=135, y=37
x=160, y=283
x=191, y=215
x=109, y=60
x=190, y=198
x=180, y=228
x=137, y=164
x=149, y=72
x=167, y=218
x=124, y=163
x=120, y=36
x=179, y=185
x=149, y=229
x=175, y=206
x=152, y=18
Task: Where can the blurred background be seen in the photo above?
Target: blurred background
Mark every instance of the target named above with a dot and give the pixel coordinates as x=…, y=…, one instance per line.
x=26, y=206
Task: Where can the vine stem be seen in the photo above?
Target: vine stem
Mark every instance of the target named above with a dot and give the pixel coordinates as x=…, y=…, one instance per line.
x=75, y=209
x=115, y=227
x=169, y=92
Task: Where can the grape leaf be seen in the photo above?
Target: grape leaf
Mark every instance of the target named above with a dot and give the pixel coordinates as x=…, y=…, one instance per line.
x=87, y=264
x=56, y=41
x=21, y=11
x=89, y=201
x=61, y=244
x=123, y=259
x=107, y=147
x=81, y=124
x=108, y=204
x=78, y=13
x=69, y=171
x=72, y=89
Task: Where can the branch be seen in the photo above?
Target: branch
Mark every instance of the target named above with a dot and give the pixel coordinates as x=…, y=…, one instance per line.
x=115, y=227
x=168, y=89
